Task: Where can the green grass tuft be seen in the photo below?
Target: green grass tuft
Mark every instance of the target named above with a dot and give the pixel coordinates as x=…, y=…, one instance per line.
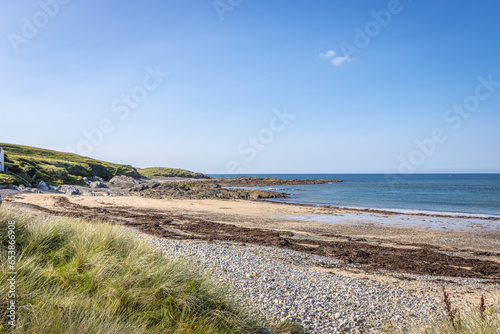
x=289, y=327
x=7, y=179
x=79, y=277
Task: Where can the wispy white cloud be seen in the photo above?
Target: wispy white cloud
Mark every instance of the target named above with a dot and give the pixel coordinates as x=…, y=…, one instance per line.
x=336, y=60
x=328, y=54
x=340, y=60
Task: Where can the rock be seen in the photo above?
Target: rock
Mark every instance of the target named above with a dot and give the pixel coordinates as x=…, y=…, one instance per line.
x=22, y=187
x=70, y=190
x=89, y=179
x=97, y=184
x=55, y=188
x=358, y=318
x=139, y=187
x=338, y=315
x=90, y=193
x=123, y=181
x=254, y=195
x=13, y=187
x=42, y=186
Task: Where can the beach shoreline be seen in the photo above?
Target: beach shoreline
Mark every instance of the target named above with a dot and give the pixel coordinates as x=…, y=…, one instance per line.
x=300, y=219
x=417, y=260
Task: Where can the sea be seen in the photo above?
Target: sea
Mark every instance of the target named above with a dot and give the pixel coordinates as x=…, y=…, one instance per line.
x=450, y=194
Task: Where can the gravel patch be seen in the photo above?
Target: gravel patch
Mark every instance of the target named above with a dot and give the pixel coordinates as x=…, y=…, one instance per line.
x=277, y=283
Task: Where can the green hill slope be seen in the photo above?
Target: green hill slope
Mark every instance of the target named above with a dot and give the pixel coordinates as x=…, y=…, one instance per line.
x=27, y=164
x=164, y=172
x=33, y=164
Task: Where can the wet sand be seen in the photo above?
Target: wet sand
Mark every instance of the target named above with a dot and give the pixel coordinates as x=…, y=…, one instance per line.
x=471, y=233
x=302, y=220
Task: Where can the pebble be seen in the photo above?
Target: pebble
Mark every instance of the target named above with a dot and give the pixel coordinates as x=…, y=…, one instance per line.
x=278, y=284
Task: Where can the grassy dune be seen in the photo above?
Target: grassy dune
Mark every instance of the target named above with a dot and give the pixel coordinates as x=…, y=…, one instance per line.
x=80, y=277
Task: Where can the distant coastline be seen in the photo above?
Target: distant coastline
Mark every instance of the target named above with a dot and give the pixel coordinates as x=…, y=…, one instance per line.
x=468, y=195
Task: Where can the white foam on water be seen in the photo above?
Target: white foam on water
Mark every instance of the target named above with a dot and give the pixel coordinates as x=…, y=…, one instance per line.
x=401, y=211
x=430, y=222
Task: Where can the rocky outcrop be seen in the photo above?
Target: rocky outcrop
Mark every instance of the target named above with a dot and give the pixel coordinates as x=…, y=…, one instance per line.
x=220, y=188
x=198, y=191
x=255, y=181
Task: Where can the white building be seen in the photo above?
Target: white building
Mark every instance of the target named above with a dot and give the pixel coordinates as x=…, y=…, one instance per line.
x=2, y=160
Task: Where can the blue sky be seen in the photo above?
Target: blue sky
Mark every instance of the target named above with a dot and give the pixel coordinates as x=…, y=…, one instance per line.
x=256, y=86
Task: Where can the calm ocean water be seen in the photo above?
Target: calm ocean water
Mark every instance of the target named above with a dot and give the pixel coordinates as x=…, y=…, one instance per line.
x=456, y=193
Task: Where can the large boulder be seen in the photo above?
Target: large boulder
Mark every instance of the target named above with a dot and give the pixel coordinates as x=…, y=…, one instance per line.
x=42, y=186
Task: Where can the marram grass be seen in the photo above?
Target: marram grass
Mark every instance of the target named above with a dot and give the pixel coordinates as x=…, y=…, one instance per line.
x=79, y=277
x=474, y=319
x=470, y=323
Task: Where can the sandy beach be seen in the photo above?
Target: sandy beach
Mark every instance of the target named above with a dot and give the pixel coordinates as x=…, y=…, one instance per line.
x=473, y=234
x=370, y=248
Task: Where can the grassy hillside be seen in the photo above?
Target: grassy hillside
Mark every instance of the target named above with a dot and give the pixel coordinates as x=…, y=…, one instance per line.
x=31, y=164
x=164, y=172
x=36, y=164
x=86, y=277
